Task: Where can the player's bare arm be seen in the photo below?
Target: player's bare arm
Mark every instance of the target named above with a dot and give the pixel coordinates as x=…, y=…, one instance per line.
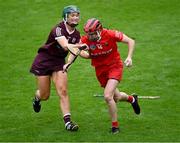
x=75, y=50
x=63, y=42
x=84, y=54
x=131, y=45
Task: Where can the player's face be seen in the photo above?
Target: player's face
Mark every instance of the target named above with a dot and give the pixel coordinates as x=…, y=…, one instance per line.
x=93, y=36
x=73, y=18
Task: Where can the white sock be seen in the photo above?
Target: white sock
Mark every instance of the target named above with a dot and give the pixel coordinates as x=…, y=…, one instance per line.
x=133, y=100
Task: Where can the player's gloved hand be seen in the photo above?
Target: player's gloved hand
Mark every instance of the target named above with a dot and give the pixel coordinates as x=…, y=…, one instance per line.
x=128, y=62
x=84, y=47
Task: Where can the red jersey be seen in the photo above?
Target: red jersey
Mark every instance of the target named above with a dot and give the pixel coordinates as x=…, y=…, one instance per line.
x=104, y=51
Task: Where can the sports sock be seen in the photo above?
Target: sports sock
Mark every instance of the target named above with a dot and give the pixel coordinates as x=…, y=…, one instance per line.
x=115, y=124
x=67, y=118
x=130, y=99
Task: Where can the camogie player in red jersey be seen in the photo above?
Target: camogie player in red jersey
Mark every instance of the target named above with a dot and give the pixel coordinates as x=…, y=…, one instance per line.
x=105, y=58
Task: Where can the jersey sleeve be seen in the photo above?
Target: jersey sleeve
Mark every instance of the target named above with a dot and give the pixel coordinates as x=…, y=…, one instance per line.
x=58, y=32
x=116, y=35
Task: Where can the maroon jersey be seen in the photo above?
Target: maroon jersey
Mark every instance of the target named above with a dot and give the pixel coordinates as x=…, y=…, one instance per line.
x=52, y=46
x=51, y=56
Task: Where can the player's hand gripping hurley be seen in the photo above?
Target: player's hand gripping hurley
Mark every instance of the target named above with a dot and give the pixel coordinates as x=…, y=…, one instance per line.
x=75, y=51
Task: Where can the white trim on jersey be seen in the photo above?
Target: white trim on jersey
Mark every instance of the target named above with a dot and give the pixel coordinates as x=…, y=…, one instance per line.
x=70, y=32
x=59, y=37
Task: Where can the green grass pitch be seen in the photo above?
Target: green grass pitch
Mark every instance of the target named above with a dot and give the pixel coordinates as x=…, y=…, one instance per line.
x=155, y=24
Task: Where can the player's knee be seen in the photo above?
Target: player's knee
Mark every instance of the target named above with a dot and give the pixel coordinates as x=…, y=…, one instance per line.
x=62, y=91
x=108, y=98
x=45, y=96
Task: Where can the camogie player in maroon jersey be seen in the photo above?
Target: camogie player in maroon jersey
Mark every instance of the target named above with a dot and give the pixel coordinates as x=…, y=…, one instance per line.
x=49, y=62
x=105, y=58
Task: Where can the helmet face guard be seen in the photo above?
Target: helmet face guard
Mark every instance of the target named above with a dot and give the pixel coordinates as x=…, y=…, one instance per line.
x=93, y=28
x=94, y=36
x=69, y=10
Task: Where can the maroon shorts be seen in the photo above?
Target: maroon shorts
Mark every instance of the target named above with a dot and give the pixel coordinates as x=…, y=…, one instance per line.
x=104, y=73
x=45, y=64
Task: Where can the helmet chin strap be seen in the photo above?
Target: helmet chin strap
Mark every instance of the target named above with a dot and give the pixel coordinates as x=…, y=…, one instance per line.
x=72, y=25
x=99, y=35
x=97, y=38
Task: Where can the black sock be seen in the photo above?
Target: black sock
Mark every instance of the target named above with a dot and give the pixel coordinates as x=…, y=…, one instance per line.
x=67, y=118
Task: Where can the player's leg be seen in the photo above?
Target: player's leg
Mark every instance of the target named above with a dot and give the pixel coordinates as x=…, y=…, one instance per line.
x=108, y=96
x=133, y=99
x=60, y=81
x=43, y=91
x=122, y=96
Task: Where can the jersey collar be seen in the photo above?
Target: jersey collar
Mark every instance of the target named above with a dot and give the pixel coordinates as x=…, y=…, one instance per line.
x=69, y=32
